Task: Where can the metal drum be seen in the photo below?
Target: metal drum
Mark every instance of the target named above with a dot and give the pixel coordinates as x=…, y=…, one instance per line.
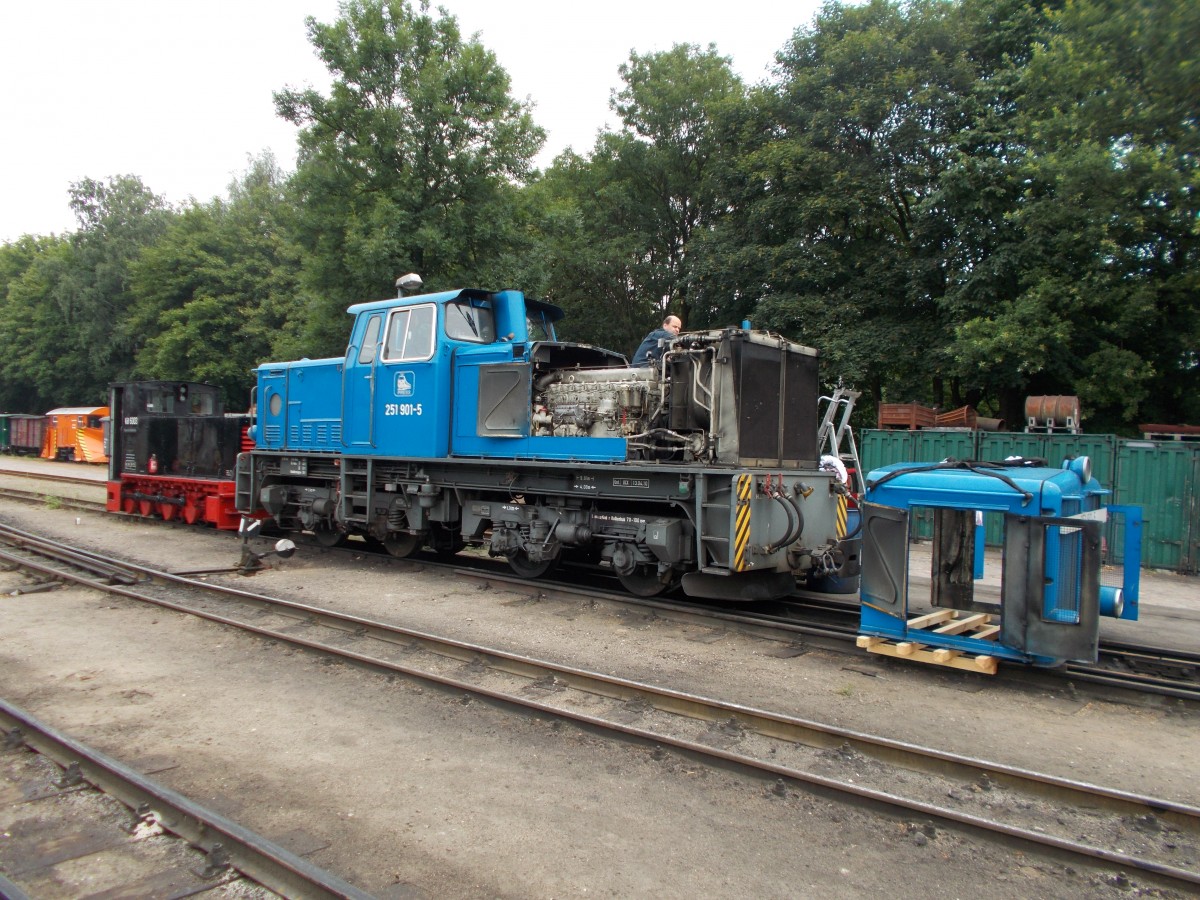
x=1052, y=412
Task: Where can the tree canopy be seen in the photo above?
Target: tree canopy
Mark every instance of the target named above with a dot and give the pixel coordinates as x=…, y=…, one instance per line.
x=956, y=201
x=409, y=164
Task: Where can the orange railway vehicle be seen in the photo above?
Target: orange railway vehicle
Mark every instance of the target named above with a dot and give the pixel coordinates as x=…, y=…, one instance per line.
x=76, y=433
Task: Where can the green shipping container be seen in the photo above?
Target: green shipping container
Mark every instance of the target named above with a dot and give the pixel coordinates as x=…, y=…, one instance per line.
x=1163, y=477
x=881, y=447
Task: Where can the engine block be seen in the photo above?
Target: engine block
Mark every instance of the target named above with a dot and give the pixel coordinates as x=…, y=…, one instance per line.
x=598, y=403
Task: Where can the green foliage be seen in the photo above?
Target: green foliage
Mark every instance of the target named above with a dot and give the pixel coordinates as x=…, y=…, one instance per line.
x=215, y=293
x=408, y=164
x=1076, y=259
x=826, y=238
x=957, y=201
x=67, y=330
x=29, y=267
x=621, y=223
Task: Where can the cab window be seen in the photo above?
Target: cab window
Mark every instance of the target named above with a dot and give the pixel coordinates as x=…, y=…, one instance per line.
x=540, y=328
x=366, y=353
x=410, y=334
x=160, y=400
x=468, y=320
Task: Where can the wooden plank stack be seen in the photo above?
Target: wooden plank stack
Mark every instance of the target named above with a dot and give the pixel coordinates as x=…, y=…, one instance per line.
x=941, y=621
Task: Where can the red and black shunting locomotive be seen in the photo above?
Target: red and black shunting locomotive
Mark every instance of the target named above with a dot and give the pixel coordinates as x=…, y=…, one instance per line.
x=172, y=452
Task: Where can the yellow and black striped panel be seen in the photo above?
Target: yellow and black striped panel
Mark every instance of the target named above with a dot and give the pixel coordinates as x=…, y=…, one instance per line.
x=842, y=515
x=741, y=531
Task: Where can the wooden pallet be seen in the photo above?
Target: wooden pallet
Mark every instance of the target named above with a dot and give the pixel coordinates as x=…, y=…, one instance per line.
x=942, y=621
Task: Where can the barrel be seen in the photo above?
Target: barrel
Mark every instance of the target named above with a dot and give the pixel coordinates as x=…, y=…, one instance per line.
x=1052, y=412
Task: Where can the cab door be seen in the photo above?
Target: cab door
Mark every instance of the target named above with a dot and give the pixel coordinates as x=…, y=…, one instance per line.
x=409, y=399
x=360, y=384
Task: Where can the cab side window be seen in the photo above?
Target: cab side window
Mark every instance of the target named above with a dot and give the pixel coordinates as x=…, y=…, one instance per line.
x=410, y=334
x=366, y=353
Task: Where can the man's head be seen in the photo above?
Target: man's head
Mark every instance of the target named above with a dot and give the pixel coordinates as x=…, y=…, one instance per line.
x=672, y=324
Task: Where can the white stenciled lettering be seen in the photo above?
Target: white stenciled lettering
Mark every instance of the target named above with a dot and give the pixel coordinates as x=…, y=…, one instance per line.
x=403, y=409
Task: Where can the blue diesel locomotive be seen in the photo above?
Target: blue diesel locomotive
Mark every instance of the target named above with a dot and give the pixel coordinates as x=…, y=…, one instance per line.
x=459, y=417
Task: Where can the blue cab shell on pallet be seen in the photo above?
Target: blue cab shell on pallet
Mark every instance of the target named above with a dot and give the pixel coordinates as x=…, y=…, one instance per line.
x=1051, y=595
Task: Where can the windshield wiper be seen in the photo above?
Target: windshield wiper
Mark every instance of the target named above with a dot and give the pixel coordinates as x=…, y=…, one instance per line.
x=466, y=314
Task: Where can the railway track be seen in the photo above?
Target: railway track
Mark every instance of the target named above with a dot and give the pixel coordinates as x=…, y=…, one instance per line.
x=925, y=787
x=811, y=618
x=64, y=834
x=830, y=624
x=55, y=500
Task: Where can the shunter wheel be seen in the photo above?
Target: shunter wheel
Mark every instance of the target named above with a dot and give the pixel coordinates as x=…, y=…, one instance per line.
x=524, y=567
x=329, y=537
x=402, y=545
x=644, y=581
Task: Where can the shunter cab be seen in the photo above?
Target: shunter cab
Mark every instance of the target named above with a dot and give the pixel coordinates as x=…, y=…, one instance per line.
x=173, y=451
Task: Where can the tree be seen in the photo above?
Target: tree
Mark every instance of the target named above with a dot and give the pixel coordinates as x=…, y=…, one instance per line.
x=1080, y=273
x=825, y=236
x=623, y=260
x=408, y=164
x=118, y=219
x=68, y=332
x=214, y=295
x=29, y=269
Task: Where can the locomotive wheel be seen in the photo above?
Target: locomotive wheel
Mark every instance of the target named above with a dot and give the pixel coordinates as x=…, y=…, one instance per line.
x=328, y=537
x=191, y=513
x=644, y=581
x=167, y=511
x=524, y=567
x=146, y=507
x=402, y=545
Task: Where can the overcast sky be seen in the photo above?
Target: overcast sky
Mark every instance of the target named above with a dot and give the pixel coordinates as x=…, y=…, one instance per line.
x=179, y=94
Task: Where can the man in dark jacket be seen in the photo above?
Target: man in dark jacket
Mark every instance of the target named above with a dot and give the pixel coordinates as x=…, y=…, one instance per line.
x=650, y=352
